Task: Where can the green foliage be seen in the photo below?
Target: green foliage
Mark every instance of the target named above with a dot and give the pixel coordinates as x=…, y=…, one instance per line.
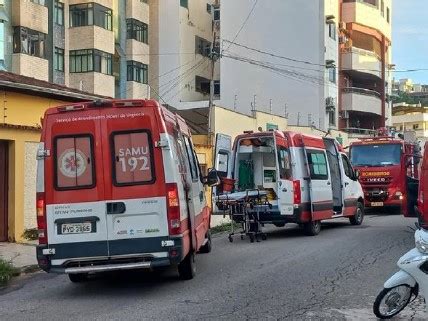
x=31, y=234
x=223, y=228
x=7, y=271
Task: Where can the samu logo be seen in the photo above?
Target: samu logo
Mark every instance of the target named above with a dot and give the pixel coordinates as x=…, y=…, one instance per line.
x=72, y=163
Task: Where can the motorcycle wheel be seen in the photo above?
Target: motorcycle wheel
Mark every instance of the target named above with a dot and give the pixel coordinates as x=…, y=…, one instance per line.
x=392, y=301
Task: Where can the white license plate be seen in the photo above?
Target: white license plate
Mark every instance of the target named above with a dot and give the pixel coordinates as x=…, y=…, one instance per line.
x=76, y=228
x=377, y=204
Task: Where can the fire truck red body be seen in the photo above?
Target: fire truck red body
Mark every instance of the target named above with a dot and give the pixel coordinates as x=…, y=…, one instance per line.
x=388, y=172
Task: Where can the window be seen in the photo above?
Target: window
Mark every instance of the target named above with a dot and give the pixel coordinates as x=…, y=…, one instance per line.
x=332, y=74
x=133, y=162
x=202, y=85
x=192, y=159
x=209, y=8
x=217, y=14
x=138, y=72
x=347, y=167
x=216, y=87
x=332, y=31
x=59, y=13
x=388, y=14
x=137, y=30
x=59, y=59
x=88, y=60
x=317, y=165
x=40, y=2
x=29, y=42
x=144, y=1
x=74, y=162
x=184, y=3
x=368, y=155
x=222, y=163
x=331, y=118
x=202, y=46
x=284, y=162
x=89, y=14
x=2, y=43
x=415, y=126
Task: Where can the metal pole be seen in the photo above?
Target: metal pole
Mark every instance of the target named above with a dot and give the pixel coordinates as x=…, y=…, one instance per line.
x=211, y=101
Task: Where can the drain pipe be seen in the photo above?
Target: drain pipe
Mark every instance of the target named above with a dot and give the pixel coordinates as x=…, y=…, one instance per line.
x=122, y=51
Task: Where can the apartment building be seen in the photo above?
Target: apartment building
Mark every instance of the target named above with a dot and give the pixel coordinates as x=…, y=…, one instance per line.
x=411, y=118
x=365, y=64
x=98, y=46
x=183, y=33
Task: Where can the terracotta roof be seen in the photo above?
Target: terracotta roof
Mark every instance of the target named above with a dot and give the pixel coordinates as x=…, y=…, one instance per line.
x=24, y=83
x=11, y=126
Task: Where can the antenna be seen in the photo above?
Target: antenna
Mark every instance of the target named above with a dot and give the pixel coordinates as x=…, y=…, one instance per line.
x=235, y=102
x=270, y=106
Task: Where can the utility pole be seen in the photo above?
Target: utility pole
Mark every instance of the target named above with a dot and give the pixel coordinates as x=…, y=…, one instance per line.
x=298, y=118
x=213, y=56
x=235, y=102
x=270, y=106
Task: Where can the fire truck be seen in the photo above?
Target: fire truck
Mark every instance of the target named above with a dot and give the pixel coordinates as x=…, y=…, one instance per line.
x=388, y=169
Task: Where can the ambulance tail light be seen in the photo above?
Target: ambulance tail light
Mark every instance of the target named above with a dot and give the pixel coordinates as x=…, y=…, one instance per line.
x=297, y=192
x=173, y=209
x=41, y=218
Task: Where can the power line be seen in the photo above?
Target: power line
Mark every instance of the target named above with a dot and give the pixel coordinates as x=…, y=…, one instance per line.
x=245, y=22
x=314, y=64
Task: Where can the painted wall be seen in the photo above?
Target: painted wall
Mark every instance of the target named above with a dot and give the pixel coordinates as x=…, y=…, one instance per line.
x=25, y=110
x=273, y=27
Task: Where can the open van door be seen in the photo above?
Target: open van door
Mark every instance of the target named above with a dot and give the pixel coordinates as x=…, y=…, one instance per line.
x=285, y=189
x=319, y=181
x=222, y=158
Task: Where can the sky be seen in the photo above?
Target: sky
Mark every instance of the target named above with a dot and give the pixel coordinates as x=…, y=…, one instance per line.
x=410, y=38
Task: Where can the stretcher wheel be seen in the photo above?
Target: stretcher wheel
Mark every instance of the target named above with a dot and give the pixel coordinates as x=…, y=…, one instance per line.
x=230, y=239
x=242, y=237
x=251, y=238
x=264, y=237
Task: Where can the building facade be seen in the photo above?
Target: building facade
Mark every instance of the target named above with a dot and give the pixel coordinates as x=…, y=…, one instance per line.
x=98, y=46
x=23, y=103
x=411, y=118
x=365, y=64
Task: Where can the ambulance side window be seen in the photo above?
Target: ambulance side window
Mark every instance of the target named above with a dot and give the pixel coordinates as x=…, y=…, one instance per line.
x=317, y=165
x=284, y=163
x=74, y=164
x=192, y=160
x=347, y=166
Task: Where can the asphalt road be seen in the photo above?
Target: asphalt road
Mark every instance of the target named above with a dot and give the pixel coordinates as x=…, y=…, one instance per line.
x=334, y=276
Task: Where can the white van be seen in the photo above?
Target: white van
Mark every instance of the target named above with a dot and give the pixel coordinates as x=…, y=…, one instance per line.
x=306, y=178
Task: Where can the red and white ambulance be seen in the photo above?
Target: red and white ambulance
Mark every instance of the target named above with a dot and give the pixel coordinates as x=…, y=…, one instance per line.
x=307, y=178
x=119, y=187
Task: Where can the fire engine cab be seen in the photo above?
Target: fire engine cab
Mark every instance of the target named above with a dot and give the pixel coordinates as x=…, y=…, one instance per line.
x=389, y=172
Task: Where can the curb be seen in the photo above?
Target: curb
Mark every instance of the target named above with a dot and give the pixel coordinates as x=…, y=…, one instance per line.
x=33, y=268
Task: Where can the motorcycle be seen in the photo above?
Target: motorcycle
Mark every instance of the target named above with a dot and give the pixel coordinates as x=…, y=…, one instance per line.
x=411, y=280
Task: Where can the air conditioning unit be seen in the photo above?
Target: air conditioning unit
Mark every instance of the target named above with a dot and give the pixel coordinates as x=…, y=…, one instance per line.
x=344, y=114
x=342, y=25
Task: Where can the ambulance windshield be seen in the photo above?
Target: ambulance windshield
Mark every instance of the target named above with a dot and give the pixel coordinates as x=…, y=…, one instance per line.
x=376, y=155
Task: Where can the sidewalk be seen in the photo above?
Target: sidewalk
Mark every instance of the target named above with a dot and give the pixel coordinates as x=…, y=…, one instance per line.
x=22, y=256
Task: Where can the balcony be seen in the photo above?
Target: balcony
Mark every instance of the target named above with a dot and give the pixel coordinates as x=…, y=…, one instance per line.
x=361, y=60
x=361, y=100
x=366, y=14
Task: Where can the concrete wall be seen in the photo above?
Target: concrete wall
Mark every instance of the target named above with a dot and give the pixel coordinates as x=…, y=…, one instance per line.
x=137, y=90
x=137, y=51
x=28, y=14
x=138, y=10
x=30, y=66
x=359, y=102
x=91, y=37
x=368, y=15
x=30, y=170
x=93, y=82
x=273, y=27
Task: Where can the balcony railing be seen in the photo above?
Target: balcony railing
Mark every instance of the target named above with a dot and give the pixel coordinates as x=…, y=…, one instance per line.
x=361, y=52
x=362, y=91
x=359, y=132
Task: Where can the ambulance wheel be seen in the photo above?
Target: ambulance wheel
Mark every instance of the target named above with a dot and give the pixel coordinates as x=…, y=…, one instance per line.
x=78, y=278
x=187, y=267
x=312, y=228
x=358, y=218
x=207, y=247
